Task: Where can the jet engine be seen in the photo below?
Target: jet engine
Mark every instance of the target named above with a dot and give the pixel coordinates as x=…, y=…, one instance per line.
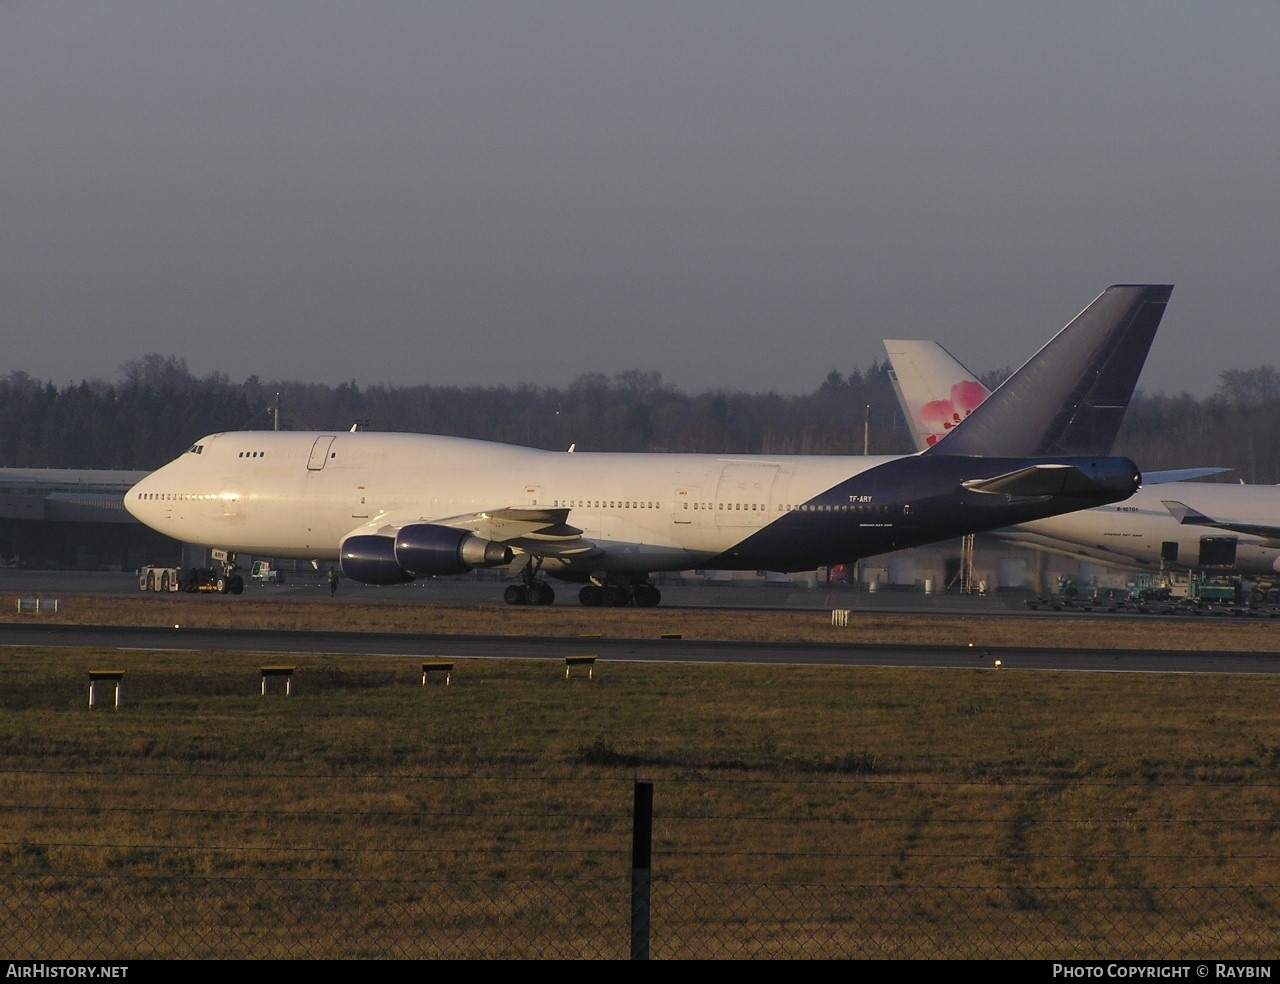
x=420, y=550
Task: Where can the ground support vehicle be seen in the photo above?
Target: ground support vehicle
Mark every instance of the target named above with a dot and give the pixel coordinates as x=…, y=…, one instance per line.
x=265, y=572
x=189, y=579
x=1264, y=592
x=1168, y=593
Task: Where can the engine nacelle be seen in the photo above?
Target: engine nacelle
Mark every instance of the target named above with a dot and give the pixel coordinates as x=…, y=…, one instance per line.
x=371, y=559
x=420, y=550
x=425, y=548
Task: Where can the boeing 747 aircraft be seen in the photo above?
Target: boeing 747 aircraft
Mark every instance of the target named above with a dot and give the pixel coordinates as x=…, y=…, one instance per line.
x=390, y=508
x=1165, y=525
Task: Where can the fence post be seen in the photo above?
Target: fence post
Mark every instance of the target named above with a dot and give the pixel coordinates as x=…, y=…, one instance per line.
x=641, y=869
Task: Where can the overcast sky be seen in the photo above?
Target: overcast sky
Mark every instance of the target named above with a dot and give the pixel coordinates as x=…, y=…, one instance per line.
x=736, y=195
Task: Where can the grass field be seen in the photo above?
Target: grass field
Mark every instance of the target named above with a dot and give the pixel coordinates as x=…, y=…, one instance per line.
x=941, y=778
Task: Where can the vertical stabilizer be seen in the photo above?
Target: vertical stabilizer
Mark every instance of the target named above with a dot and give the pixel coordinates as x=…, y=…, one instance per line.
x=1070, y=397
x=934, y=390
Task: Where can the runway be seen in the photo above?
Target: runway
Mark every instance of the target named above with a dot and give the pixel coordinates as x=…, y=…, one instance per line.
x=488, y=590
x=275, y=643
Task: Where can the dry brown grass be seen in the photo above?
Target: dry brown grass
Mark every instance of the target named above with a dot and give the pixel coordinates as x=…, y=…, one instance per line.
x=915, y=779
x=1221, y=634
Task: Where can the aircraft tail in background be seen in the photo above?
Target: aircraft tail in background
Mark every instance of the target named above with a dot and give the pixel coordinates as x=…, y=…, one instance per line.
x=934, y=390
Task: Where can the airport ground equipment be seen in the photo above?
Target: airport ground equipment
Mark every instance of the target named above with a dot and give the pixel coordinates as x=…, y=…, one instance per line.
x=189, y=579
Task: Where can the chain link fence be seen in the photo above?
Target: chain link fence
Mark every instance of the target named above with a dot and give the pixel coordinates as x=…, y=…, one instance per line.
x=103, y=864
x=122, y=917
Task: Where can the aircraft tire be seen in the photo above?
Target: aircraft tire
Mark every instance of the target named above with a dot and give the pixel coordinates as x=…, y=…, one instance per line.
x=591, y=596
x=221, y=584
x=236, y=585
x=647, y=596
x=539, y=594
x=514, y=595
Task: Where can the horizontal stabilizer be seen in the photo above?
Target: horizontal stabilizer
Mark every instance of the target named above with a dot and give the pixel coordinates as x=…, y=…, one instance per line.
x=1040, y=480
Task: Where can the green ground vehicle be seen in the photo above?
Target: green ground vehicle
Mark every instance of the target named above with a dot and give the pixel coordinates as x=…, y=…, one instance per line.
x=265, y=572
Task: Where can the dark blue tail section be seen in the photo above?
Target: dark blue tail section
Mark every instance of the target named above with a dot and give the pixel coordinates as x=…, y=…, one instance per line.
x=1070, y=398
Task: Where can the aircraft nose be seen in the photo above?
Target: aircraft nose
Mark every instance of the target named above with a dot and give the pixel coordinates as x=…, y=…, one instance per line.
x=136, y=500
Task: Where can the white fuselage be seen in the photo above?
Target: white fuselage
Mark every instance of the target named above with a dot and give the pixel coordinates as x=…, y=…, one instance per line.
x=282, y=494
x=391, y=507
x=1139, y=531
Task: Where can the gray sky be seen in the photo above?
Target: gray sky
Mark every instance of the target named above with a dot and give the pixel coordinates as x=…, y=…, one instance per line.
x=737, y=195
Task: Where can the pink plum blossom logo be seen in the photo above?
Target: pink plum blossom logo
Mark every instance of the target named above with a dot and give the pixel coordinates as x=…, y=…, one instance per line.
x=939, y=416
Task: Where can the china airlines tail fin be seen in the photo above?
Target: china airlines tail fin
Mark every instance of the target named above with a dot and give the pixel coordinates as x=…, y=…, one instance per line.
x=1069, y=398
x=934, y=390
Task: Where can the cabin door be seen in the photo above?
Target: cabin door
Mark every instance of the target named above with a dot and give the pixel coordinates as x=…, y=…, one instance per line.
x=320, y=452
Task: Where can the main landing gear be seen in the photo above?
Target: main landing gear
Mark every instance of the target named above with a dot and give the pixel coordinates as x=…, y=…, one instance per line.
x=537, y=593
x=613, y=593
x=530, y=591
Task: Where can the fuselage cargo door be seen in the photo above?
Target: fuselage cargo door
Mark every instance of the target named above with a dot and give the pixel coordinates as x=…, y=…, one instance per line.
x=320, y=451
x=743, y=495
x=1218, y=551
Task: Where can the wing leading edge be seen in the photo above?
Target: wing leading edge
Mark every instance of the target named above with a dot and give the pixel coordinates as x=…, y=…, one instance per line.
x=1187, y=516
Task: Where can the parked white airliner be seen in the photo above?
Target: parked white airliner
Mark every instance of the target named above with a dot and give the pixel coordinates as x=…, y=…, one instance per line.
x=394, y=507
x=1165, y=525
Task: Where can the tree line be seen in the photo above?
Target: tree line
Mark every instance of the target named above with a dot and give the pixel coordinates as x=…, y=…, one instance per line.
x=157, y=408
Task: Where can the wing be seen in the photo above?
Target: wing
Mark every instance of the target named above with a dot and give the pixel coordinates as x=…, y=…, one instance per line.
x=1187, y=516
x=391, y=550
x=1179, y=475
x=536, y=530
